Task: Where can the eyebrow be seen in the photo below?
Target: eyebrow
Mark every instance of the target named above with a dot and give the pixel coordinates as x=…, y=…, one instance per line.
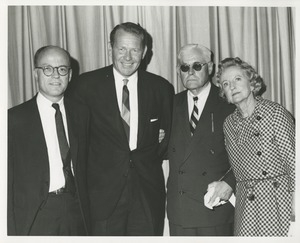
x=238, y=75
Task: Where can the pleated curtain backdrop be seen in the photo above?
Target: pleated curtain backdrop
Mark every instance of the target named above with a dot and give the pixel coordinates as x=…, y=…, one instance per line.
x=262, y=36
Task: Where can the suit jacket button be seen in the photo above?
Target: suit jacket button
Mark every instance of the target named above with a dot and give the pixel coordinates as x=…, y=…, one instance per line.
x=131, y=165
x=276, y=184
x=181, y=192
x=259, y=153
x=212, y=151
x=258, y=118
x=264, y=173
x=174, y=150
x=256, y=134
x=251, y=197
x=204, y=173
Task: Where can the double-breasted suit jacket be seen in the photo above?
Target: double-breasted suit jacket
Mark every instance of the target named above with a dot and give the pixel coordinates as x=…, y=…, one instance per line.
x=28, y=163
x=195, y=161
x=110, y=157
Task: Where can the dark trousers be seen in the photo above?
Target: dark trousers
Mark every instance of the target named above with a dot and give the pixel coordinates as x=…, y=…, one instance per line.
x=131, y=216
x=59, y=216
x=220, y=230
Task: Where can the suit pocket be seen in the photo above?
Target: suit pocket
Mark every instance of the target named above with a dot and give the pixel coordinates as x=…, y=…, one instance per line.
x=154, y=131
x=153, y=120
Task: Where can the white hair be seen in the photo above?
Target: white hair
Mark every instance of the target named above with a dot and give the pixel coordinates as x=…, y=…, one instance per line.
x=204, y=51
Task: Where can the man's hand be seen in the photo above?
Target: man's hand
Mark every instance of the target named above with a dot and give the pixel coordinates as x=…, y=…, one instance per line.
x=222, y=190
x=161, y=135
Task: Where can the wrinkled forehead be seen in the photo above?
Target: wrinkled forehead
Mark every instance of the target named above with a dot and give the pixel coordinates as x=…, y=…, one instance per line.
x=193, y=55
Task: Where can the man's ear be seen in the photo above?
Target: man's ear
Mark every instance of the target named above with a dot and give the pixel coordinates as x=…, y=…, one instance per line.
x=145, y=51
x=178, y=70
x=70, y=74
x=210, y=67
x=35, y=74
x=109, y=47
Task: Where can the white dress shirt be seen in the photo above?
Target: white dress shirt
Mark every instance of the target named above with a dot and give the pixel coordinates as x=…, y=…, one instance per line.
x=47, y=114
x=133, y=103
x=202, y=97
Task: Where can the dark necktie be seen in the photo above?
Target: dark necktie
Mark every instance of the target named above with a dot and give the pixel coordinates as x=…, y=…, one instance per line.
x=64, y=150
x=126, y=108
x=194, y=116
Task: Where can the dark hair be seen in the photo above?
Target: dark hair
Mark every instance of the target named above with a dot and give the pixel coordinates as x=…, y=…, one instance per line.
x=40, y=51
x=130, y=28
x=255, y=80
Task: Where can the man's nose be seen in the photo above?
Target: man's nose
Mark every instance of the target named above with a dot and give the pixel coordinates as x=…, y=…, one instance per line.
x=55, y=73
x=128, y=55
x=191, y=70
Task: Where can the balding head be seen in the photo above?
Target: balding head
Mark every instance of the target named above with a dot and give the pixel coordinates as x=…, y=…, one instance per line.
x=48, y=49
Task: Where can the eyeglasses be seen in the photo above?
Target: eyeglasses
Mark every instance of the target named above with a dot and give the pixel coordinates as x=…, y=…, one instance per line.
x=49, y=70
x=197, y=66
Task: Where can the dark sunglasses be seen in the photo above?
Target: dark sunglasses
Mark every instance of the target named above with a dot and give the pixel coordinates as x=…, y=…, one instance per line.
x=197, y=66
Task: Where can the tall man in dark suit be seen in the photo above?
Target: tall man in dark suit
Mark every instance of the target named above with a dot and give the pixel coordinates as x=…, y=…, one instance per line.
x=196, y=151
x=128, y=108
x=47, y=151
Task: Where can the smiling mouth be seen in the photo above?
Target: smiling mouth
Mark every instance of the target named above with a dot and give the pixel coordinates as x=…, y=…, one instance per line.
x=127, y=64
x=55, y=84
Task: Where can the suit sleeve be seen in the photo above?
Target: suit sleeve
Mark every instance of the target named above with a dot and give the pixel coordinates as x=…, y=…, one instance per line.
x=11, y=228
x=230, y=180
x=166, y=121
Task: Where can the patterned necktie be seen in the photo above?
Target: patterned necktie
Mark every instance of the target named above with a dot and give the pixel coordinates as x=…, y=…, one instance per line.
x=126, y=108
x=194, y=116
x=64, y=150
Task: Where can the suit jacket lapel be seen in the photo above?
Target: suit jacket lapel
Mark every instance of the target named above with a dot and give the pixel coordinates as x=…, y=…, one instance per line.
x=183, y=116
x=109, y=90
x=37, y=134
x=73, y=138
x=203, y=128
x=143, y=100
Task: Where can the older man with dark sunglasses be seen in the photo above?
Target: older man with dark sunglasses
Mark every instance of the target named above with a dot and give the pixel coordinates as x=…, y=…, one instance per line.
x=198, y=160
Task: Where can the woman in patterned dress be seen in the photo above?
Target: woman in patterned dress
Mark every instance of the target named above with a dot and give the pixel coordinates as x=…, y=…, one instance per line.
x=260, y=141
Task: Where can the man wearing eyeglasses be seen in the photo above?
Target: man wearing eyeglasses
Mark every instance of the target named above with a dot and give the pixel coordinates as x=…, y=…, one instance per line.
x=197, y=156
x=47, y=143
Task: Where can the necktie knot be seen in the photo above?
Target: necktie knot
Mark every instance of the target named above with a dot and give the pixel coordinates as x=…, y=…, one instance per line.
x=55, y=106
x=125, y=81
x=195, y=98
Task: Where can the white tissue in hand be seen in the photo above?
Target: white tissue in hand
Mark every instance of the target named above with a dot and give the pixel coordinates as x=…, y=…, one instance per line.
x=208, y=196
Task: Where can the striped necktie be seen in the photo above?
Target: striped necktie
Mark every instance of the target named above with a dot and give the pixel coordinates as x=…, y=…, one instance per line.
x=126, y=108
x=194, y=116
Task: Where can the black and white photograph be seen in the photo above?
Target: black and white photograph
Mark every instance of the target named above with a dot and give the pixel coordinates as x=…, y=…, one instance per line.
x=149, y=121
